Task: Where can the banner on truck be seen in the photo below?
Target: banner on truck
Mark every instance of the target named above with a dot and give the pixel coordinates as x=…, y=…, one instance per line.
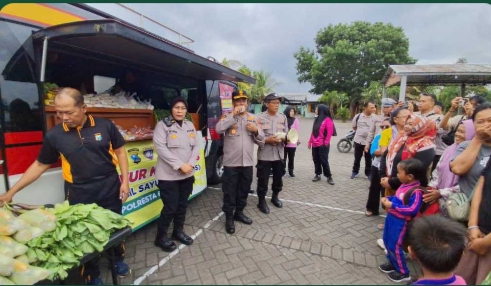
x=144, y=204
x=226, y=97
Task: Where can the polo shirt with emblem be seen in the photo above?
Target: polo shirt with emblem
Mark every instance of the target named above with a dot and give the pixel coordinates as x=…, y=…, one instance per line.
x=87, y=153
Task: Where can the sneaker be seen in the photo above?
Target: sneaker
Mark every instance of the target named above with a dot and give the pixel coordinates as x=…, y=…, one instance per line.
x=387, y=267
x=353, y=175
x=94, y=281
x=380, y=243
x=399, y=277
x=122, y=269
x=316, y=178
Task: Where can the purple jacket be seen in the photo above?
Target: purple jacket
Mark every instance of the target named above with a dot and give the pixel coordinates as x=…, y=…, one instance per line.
x=321, y=140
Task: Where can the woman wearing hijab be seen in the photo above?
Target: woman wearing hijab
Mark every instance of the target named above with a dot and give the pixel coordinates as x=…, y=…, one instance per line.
x=320, y=140
x=175, y=142
x=417, y=141
x=290, y=148
x=444, y=182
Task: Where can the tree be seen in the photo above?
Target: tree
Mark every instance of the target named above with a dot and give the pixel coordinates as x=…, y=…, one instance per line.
x=334, y=99
x=233, y=64
x=350, y=56
x=264, y=84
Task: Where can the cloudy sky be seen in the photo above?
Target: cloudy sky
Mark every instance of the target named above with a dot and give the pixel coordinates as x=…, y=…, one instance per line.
x=265, y=36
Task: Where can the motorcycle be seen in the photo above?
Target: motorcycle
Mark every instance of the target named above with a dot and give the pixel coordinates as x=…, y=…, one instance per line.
x=345, y=144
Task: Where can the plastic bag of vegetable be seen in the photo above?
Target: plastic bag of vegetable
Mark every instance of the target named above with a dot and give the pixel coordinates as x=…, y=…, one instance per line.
x=6, y=265
x=7, y=227
x=27, y=234
x=24, y=274
x=6, y=214
x=5, y=281
x=23, y=258
x=16, y=247
x=6, y=251
x=40, y=218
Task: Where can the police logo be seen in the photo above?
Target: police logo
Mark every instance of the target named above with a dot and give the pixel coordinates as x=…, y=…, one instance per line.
x=173, y=136
x=133, y=152
x=148, y=153
x=191, y=135
x=98, y=137
x=233, y=131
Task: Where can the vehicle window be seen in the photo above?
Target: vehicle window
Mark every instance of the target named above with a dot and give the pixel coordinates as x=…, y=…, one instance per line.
x=19, y=92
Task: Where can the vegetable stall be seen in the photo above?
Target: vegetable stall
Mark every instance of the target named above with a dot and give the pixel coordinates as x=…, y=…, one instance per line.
x=38, y=243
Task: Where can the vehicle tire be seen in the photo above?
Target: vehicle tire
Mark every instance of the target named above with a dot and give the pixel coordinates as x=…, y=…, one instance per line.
x=216, y=171
x=344, y=145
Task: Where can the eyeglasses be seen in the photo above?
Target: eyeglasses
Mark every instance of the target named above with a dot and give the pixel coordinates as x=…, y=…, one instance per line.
x=384, y=126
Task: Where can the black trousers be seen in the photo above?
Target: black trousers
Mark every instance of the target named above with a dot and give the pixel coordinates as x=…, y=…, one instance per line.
x=435, y=162
x=263, y=170
x=320, y=155
x=174, y=195
x=109, y=199
x=375, y=192
x=236, y=184
x=359, y=152
x=290, y=155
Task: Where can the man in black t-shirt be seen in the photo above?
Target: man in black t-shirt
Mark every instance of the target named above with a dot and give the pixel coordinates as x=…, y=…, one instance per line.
x=90, y=149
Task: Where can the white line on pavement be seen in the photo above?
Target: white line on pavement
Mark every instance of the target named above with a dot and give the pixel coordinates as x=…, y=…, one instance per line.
x=175, y=252
x=320, y=206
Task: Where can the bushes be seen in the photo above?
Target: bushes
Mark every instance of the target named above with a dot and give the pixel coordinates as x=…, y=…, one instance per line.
x=343, y=113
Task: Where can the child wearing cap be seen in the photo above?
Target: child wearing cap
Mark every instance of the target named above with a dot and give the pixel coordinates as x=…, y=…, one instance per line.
x=437, y=243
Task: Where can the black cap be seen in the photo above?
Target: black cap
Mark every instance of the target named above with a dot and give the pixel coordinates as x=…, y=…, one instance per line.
x=439, y=103
x=272, y=96
x=239, y=94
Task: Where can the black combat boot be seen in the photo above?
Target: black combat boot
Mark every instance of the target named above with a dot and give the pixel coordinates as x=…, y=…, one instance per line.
x=263, y=206
x=241, y=217
x=229, y=223
x=276, y=202
x=179, y=235
x=164, y=242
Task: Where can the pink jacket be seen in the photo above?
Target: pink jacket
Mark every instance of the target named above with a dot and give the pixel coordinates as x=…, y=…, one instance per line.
x=320, y=140
x=295, y=126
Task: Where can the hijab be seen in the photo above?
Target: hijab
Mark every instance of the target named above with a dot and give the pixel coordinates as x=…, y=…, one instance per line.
x=446, y=178
x=323, y=113
x=422, y=137
x=174, y=101
x=288, y=117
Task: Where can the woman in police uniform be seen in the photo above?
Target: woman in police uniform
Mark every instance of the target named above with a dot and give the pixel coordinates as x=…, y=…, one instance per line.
x=175, y=143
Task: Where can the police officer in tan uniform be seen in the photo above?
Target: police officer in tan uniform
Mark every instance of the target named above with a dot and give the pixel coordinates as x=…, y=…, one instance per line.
x=241, y=130
x=270, y=155
x=175, y=142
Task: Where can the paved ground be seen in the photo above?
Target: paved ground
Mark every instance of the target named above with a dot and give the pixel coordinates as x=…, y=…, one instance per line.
x=320, y=236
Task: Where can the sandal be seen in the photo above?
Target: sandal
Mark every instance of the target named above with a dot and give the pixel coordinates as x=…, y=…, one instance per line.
x=368, y=213
x=380, y=226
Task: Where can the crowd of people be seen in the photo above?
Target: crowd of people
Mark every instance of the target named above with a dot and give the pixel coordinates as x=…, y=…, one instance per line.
x=429, y=170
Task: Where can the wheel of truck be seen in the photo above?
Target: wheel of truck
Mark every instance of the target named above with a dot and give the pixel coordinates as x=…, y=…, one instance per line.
x=217, y=171
x=344, y=146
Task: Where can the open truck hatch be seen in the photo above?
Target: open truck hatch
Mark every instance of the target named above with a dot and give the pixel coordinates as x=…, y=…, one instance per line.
x=116, y=41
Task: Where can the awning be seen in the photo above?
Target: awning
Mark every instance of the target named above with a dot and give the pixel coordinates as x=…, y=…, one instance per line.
x=449, y=74
x=111, y=39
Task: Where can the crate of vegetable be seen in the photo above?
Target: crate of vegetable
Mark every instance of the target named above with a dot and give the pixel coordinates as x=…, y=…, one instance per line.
x=44, y=243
